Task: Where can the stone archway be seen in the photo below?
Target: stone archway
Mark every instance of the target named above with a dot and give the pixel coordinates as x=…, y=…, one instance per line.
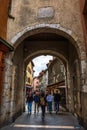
x=26, y=49
x=56, y=28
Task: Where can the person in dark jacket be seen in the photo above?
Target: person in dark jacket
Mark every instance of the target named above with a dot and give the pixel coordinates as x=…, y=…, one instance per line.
x=57, y=98
x=36, y=102
x=29, y=102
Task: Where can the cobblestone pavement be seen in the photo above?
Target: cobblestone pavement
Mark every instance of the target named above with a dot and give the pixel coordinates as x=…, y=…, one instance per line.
x=61, y=121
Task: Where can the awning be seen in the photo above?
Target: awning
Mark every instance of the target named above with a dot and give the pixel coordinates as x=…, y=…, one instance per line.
x=6, y=44
x=61, y=86
x=61, y=83
x=29, y=87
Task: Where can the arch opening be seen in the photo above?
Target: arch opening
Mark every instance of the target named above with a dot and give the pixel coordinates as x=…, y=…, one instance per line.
x=48, y=43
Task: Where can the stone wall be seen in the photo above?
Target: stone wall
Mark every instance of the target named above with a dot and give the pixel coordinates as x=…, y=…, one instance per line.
x=84, y=110
x=29, y=13
x=6, y=92
x=63, y=15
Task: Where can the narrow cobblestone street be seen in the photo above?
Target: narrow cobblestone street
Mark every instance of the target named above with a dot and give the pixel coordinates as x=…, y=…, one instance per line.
x=61, y=121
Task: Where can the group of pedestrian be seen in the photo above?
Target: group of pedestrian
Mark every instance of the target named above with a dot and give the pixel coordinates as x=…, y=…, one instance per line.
x=44, y=101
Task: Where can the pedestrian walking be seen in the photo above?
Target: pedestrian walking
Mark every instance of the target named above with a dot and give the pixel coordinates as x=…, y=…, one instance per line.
x=57, y=98
x=46, y=101
x=36, y=102
x=49, y=99
x=43, y=104
x=29, y=102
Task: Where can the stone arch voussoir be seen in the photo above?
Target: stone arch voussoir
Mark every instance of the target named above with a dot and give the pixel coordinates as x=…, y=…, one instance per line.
x=56, y=28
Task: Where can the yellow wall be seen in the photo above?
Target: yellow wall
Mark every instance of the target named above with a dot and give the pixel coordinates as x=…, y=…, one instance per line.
x=29, y=74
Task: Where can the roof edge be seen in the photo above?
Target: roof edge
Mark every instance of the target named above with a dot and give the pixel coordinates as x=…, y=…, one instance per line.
x=11, y=48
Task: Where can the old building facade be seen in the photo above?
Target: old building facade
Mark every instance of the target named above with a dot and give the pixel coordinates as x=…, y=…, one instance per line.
x=5, y=48
x=35, y=84
x=54, y=27
x=43, y=80
x=56, y=71
x=56, y=75
x=29, y=77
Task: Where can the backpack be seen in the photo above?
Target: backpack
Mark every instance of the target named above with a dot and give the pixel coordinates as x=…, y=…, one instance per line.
x=42, y=101
x=36, y=98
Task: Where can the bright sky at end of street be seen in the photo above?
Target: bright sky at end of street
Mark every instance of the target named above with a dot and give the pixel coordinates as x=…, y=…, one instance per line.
x=40, y=63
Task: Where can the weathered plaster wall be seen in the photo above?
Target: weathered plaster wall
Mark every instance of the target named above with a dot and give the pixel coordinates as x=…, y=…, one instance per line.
x=29, y=13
